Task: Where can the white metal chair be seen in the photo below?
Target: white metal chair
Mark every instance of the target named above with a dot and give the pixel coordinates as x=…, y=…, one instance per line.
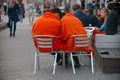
x=82, y=40
x=44, y=41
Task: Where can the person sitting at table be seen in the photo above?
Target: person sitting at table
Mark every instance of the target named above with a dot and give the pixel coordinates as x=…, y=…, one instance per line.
x=70, y=25
x=104, y=14
x=80, y=15
x=48, y=24
x=93, y=20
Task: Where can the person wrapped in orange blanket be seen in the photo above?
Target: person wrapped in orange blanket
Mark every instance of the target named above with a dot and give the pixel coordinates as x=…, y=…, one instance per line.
x=70, y=25
x=48, y=24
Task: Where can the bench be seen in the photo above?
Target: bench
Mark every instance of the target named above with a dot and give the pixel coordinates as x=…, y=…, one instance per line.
x=109, y=63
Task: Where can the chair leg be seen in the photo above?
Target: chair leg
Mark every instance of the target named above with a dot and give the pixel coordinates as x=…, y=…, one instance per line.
x=38, y=62
x=72, y=63
x=55, y=63
x=35, y=63
x=63, y=60
x=92, y=67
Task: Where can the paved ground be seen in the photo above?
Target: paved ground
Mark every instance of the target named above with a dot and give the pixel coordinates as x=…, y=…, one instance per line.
x=3, y=22
x=17, y=60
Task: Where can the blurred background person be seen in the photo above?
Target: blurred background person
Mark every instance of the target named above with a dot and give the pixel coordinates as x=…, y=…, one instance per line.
x=13, y=12
x=5, y=5
x=22, y=10
x=112, y=22
x=80, y=15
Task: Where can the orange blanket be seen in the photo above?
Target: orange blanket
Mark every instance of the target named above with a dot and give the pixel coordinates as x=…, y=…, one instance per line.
x=96, y=32
x=47, y=24
x=70, y=25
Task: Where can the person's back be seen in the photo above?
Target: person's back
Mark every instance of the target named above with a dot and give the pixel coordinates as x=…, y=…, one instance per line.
x=112, y=23
x=48, y=24
x=70, y=25
x=80, y=15
x=44, y=25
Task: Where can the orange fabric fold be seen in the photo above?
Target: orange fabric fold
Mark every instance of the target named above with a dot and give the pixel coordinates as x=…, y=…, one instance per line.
x=97, y=32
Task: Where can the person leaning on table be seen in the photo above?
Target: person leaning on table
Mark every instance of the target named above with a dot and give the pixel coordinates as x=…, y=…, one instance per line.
x=104, y=14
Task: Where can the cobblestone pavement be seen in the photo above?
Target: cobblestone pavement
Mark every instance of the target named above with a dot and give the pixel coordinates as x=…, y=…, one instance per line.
x=17, y=60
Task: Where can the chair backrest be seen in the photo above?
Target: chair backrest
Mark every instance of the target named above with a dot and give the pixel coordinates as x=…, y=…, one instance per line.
x=44, y=41
x=81, y=40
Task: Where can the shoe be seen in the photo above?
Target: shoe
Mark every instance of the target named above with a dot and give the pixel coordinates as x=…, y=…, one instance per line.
x=10, y=35
x=59, y=59
x=77, y=66
x=77, y=63
x=13, y=34
x=66, y=60
x=59, y=62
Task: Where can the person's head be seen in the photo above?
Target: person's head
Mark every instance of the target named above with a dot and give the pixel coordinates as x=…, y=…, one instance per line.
x=96, y=12
x=20, y=1
x=30, y=1
x=76, y=7
x=14, y=0
x=11, y=4
x=104, y=12
x=67, y=9
x=86, y=11
x=57, y=12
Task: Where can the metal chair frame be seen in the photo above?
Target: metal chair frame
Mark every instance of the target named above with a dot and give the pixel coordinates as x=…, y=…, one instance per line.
x=82, y=40
x=44, y=41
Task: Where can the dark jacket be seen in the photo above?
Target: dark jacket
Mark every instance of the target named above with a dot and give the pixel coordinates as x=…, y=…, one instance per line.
x=13, y=12
x=82, y=17
x=93, y=20
x=112, y=23
x=22, y=8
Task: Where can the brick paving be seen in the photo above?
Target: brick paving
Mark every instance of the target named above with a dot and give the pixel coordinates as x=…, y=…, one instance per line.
x=17, y=60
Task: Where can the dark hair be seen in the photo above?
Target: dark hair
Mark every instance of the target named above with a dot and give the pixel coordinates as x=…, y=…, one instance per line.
x=67, y=9
x=56, y=10
x=75, y=7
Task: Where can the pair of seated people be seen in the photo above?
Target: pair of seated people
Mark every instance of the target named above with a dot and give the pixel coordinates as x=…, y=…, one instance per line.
x=50, y=24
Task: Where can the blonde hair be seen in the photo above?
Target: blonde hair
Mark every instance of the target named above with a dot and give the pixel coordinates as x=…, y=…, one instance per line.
x=12, y=3
x=105, y=10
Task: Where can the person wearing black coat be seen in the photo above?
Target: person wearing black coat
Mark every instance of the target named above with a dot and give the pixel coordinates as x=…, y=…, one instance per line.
x=13, y=12
x=112, y=23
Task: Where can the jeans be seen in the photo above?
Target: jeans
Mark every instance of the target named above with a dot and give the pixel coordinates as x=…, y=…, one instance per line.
x=12, y=28
x=21, y=18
